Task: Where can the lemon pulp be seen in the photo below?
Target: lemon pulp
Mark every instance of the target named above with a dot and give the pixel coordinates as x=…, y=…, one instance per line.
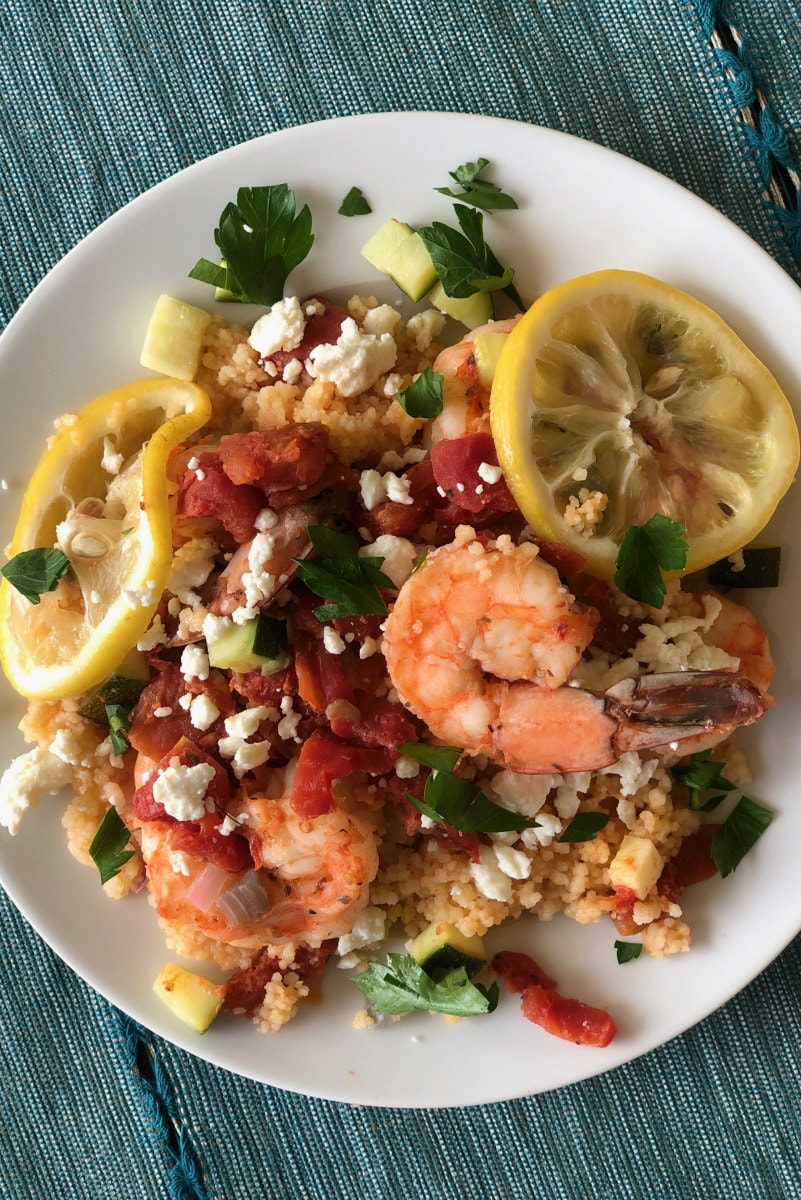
x=114, y=451
x=617, y=397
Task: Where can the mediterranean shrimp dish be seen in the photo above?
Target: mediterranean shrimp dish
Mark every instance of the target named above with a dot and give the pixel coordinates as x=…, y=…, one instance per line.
x=367, y=699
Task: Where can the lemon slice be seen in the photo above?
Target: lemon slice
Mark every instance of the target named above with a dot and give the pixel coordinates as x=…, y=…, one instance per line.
x=111, y=460
x=617, y=397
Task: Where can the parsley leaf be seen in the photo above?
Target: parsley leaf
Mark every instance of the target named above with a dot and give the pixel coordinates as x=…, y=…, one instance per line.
x=34, y=572
x=584, y=827
x=644, y=549
x=107, y=844
x=740, y=831
x=701, y=774
x=464, y=262
x=628, y=951
x=355, y=204
x=119, y=724
x=456, y=801
x=403, y=985
x=341, y=576
x=423, y=397
x=261, y=240
x=475, y=190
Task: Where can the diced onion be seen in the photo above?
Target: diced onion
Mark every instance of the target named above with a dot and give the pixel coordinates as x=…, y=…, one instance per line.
x=244, y=901
x=207, y=887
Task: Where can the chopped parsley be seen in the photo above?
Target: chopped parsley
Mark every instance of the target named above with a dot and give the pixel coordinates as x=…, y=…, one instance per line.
x=261, y=239
x=403, y=985
x=584, y=827
x=740, y=831
x=628, y=951
x=449, y=799
x=106, y=850
x=475, y=190
x=423, y=397
x=34, y=572
x=350, y=583
x=119, y=724
x=463, y=261
x=701, y=774
x=645, y=552
x=355, y=204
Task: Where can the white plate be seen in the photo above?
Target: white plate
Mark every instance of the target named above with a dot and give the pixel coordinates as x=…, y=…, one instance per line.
x=582, y=208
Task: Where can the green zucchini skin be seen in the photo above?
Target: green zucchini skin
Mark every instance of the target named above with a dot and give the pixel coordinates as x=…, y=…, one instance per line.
x=442, y=948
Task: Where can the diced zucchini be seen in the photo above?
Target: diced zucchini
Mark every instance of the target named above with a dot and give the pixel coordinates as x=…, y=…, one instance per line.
x=637, y=865
x=761, y=565
x=174, y=338
x=471, y=311
x=442, y=948
x=487, y=349
x=257, y=644
x=123, y=687
x=398, y=251
x=194, y=1000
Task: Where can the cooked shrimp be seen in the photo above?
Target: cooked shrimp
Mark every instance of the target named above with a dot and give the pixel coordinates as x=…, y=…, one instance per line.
x=481, y=643
x=737, y=631
x=465, y=400
x=263, y=566
x=309, y=880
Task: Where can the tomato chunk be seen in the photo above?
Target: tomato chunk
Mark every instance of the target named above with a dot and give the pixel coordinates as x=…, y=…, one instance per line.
x=567, y=1018
x=519, y=971
x=325, y=758
x=457, y=464
x=275, y=460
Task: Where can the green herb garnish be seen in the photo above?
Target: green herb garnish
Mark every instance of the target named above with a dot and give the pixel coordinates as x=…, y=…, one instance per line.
x=355, y=204
x=463, y=261
x=339, y=575
x=119, y=724
x=423, y=397
x=403, y=985
x=701, y=774
x=475, y=190
x=261, y=239
x=107, y=845
x=584, y=827
x=628, y=951
x=645, y=551
x=448, y=798
x=740, y=831
x=34, y=572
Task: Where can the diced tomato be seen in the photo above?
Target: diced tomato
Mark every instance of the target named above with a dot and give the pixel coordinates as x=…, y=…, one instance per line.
x=455, y=463
x=213, y=494
x=155, y=736
x=567, y=1018
x=401, y=520
x=383, y=723
x=188, y=753
x=336, y=475
x=613, y=632
x=324, y=758
x=245, y=988
x=204, y=840
x=519, y=971
x=693, y=863
x=322, y=329
x=623, y=912
x=566, y=561
x=450, y=838
x=276, y=460
x=321, y=679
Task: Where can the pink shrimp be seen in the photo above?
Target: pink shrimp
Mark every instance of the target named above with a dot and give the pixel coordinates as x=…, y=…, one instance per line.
x=481, y=643
x=465, y=398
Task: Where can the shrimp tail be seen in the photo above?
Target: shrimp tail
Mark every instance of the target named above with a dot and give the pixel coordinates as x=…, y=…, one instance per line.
x=656, y=710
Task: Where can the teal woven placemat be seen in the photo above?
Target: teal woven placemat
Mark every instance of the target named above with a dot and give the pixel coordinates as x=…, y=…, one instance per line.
x=101, y=99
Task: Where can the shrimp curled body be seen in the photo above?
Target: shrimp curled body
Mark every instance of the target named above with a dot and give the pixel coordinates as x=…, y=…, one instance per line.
x=481, y=643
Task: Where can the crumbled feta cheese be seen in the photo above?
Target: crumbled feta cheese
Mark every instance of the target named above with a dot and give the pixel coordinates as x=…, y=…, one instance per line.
x=185, y=701
x=355, y=362
x=514, y=863
x=368, y=648
x=27, y=778
x=425, y=326
x=194, y=663
x=163, y=711
x=332, y=640
x=382, y=319
x=181, y=863
x=182, y=789
x=266, y=520
x=227, y=825
x=191, y=566
x=258, y=583
x=112, y=460
x=141, y=597
x=250, y=755
x=214, y=626
x=399, y=555
x=549, y=827
x=281, y=328
x=292, y=371
x=66, y=746
x=288, y=725
x=406, y=768
x=368, y=928
x=203, y=712
x=154, y=635
x=489, y=472
x=245, y=723
x=488, y=877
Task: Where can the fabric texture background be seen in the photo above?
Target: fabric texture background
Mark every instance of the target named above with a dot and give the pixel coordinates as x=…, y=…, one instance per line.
x=100, y=100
